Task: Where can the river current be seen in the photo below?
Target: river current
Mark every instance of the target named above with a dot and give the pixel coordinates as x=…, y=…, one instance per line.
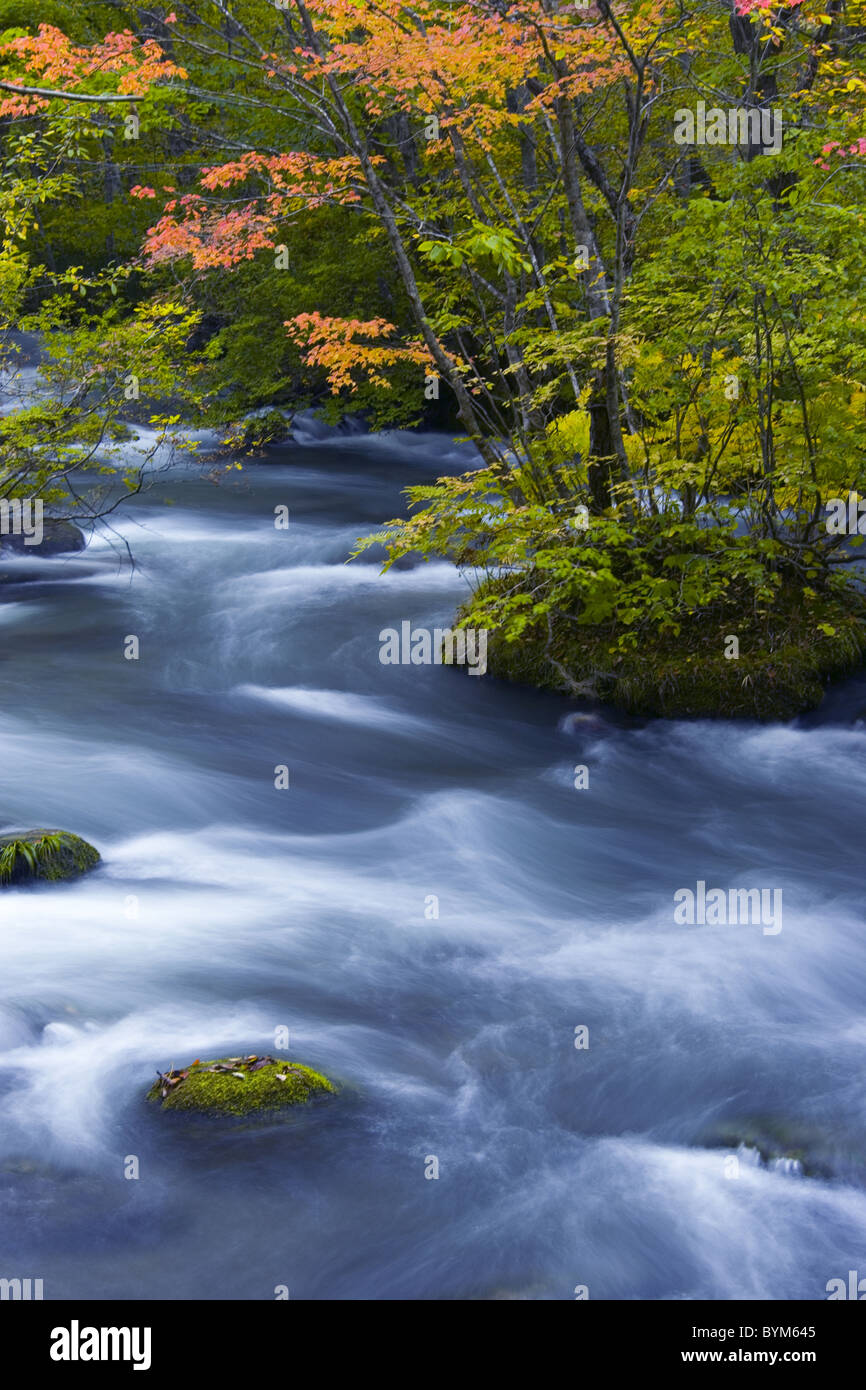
x=434, y=911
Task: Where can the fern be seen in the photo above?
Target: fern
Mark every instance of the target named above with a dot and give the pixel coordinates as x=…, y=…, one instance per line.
x=45, y=849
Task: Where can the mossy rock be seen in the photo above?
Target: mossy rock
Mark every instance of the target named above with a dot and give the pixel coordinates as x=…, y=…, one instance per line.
x=48, y=855
x=786, y=659
x=237, y=1086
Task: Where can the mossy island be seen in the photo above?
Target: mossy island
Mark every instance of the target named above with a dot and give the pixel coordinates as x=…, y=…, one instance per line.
x=786, y=657
x=238, y=1086
x=52, y=856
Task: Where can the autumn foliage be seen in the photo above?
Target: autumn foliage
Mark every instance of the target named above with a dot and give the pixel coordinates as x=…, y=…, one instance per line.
x=49, y=59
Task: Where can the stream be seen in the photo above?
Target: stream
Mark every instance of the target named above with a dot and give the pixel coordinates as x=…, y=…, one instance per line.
x=432, y=908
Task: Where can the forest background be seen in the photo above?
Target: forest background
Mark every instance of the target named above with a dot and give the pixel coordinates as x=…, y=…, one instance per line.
x=560, y=230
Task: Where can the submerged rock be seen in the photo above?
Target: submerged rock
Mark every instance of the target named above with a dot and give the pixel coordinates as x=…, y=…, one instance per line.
x=778, y=1144
x=50, y=855
x=579, y=722
x=237, y=1086
x=58, y=538
x=782, y=1163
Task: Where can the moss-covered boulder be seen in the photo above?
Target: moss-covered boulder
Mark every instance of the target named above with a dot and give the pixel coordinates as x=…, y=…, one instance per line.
x=237, y=1086
x=27, y=856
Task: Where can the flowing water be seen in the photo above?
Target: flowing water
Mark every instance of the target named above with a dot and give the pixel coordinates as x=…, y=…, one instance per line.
x=226, y=909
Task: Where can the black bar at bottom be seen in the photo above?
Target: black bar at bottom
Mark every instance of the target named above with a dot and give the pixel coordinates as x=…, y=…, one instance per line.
x=63, y=1338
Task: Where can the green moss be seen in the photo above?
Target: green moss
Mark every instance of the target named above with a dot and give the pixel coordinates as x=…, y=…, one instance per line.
x=50, y=855
x=243, y=1084
x=786, y=657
